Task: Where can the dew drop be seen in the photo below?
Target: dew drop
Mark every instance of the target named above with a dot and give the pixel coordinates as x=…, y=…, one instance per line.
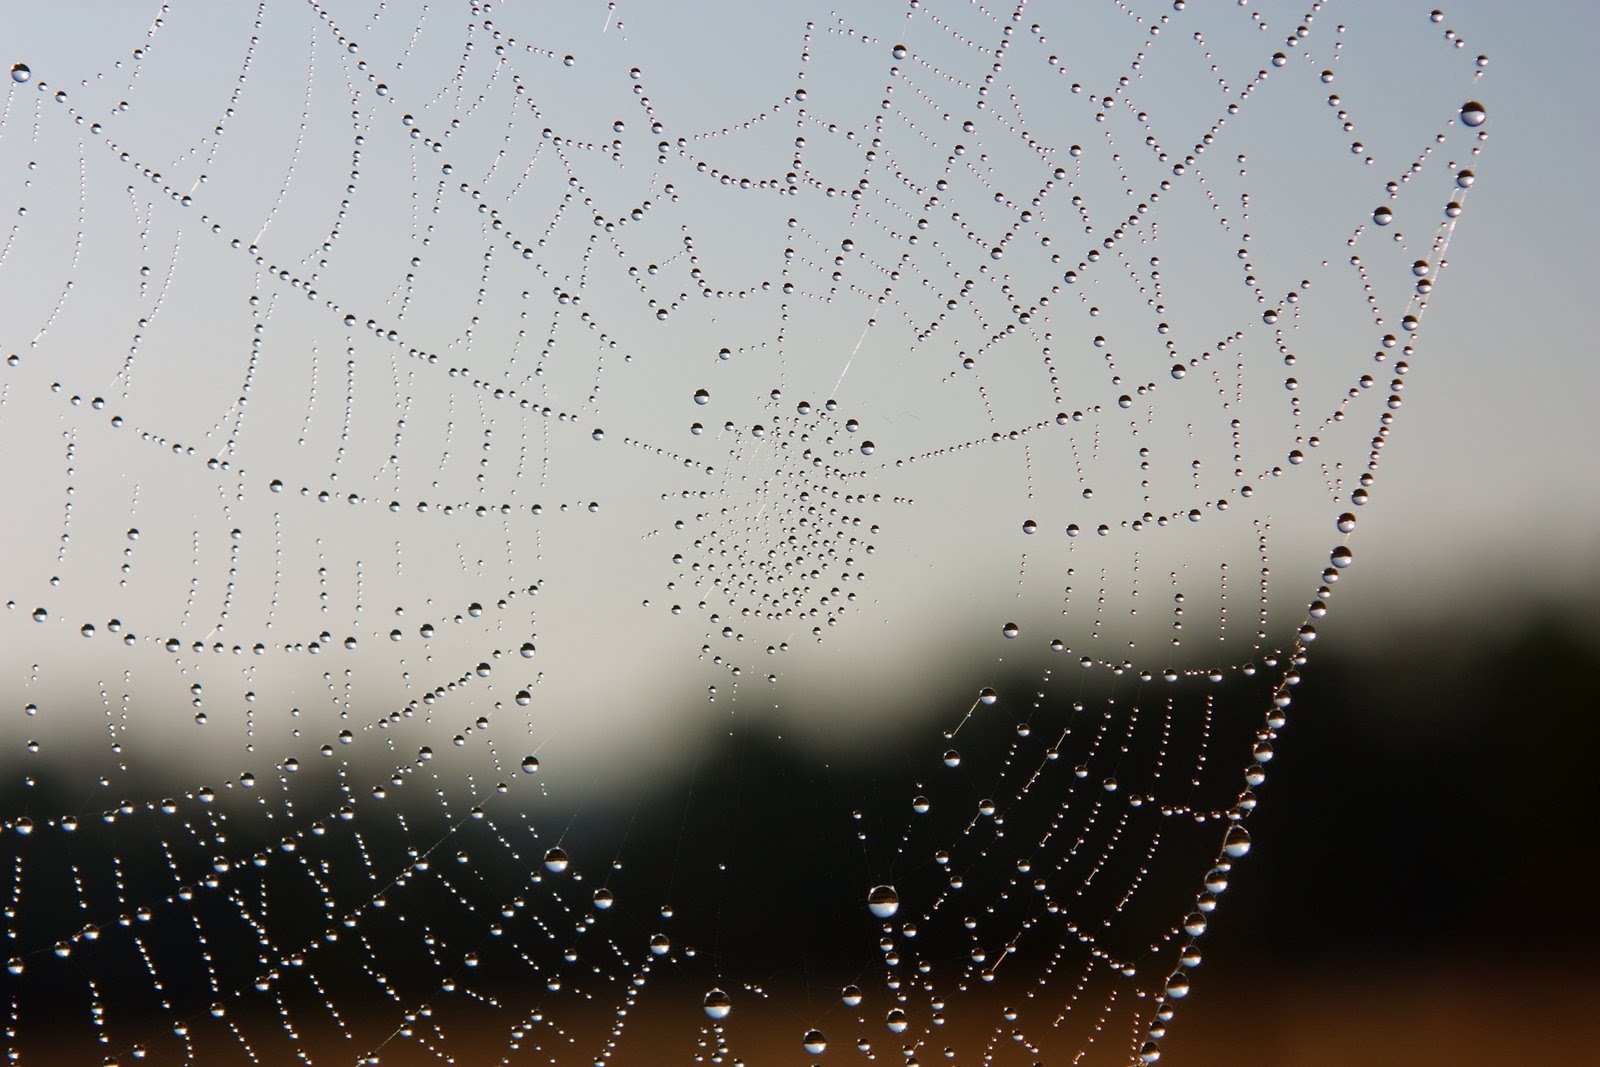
x=20, y=72
x=814, y=1043
x=556, y=860
x=1236, y=842
x=1383, y=215
x=883, y=901
x=530, y=764
x=1473, y=114
x=717, y=1004
x=851, y=996
x=1010, y=629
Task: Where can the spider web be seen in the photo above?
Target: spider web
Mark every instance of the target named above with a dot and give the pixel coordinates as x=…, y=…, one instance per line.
x=555, y=535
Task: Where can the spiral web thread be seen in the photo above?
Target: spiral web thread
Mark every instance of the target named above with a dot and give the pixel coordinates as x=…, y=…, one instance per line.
x=399, y=396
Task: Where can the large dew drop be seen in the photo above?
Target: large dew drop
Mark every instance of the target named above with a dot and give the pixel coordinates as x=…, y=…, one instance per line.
x=20, y=72
x=883, y=901
x=1473, y=114
x=717, y=1004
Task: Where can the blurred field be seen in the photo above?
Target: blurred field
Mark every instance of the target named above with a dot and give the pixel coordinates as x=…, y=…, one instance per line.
x=1460, y=1012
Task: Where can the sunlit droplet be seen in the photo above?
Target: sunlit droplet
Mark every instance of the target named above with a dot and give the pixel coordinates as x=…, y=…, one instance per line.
x=717, y=1004
x=883, y=901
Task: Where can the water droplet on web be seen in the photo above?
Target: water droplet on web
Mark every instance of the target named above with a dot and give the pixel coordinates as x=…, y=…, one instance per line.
x=717, y=1004
x=702, y=396
x=1383, y=215
x=1236, y=842
x=660, y=944
x=20, y=73
x=555, y=860
x=896, y=1021
x=1010, y=629
x=851, y=996
x=883, y=901
x=530, y=764
x=899, y=51
x=1473, y=114
x=814, y=1042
